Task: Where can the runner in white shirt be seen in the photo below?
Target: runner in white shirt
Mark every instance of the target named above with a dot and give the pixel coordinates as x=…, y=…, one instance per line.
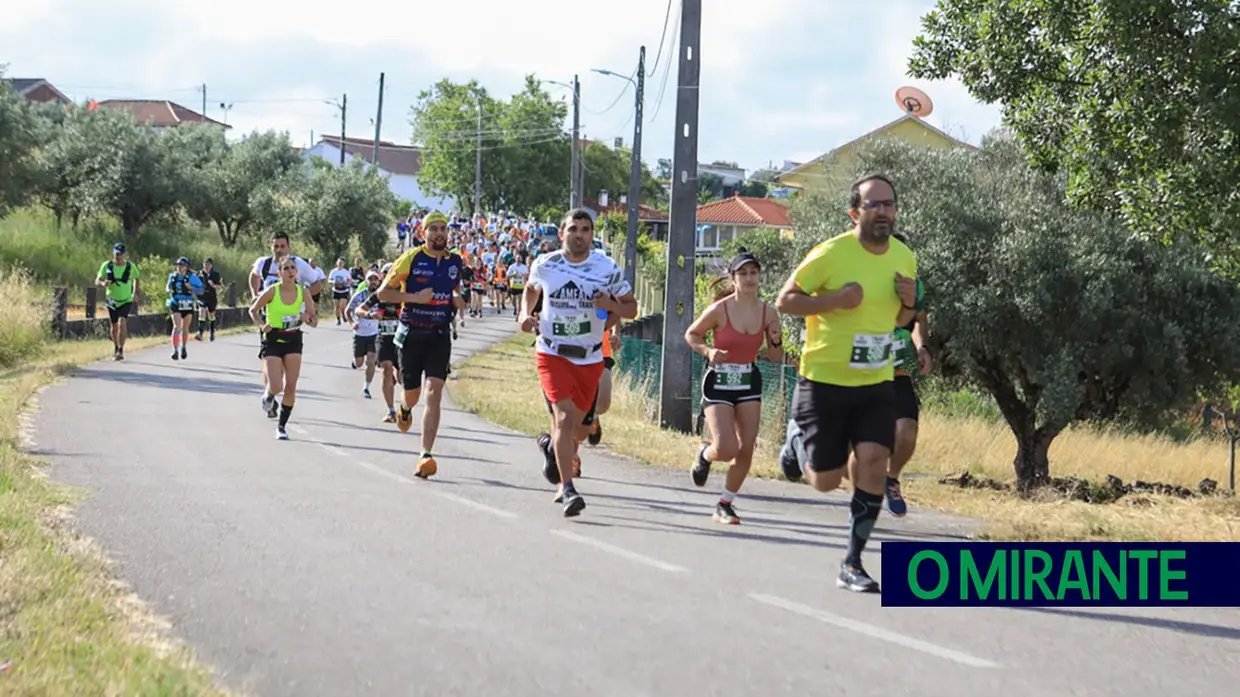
x=340, y=280
x=266, y=272
x=578, y=288
x=518, y=275
x=365, y=331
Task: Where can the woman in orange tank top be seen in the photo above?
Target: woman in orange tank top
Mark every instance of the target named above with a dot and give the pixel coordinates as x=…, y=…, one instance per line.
x=740, y=323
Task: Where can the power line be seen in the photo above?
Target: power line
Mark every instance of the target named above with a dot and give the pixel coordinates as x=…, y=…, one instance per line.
x=654, y=68
x=623, y=91
x=667, y=69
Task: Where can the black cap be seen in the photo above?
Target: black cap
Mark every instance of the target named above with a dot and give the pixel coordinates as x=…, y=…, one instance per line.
x=743, y=256
x=209, y=260
x=118, y=248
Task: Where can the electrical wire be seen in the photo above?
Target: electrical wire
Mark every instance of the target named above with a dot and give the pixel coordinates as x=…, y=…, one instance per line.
x=667, y=68
x=623, y=91
x=654, y=68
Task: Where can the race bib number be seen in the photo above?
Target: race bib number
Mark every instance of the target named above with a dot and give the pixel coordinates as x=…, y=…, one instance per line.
x=290, y=322
x=902, y=348
x=733, y=376
x=571, y=327
x=402, y=332
x=388, y=327
x=185, y=304
x=341, y=285
x=518, y=285
x=478, y=285
x=870, y=351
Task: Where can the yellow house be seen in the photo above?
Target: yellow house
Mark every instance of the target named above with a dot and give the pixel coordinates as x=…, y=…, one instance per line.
x=832, y=171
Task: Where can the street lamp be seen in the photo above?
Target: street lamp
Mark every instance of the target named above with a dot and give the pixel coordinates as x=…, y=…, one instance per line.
x=574, y=199
x=635, y=170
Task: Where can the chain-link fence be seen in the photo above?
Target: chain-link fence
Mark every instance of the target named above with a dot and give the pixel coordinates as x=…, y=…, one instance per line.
x=641, y=361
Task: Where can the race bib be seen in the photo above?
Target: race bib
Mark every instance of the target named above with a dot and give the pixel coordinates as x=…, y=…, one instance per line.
x=388, y=327
x=733, y=376
x=289, y=322
x=341, y=285
x=905, y=355
x=185, y=303
x=571, y=327
x=401, y=333
x=870, y=352
x=518, y=284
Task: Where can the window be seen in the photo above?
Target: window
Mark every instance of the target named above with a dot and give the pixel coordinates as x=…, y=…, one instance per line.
x=726, y=234
x=709, y=238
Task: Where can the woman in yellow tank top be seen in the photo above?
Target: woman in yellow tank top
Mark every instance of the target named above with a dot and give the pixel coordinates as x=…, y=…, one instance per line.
x=287, y=311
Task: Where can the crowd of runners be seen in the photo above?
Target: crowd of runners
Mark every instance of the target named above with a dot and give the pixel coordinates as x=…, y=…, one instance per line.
x=854, y=409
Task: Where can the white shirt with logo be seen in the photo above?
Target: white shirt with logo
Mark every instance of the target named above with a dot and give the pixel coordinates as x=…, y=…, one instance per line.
x=568, y=313
x=341, y=280
x=306, y=275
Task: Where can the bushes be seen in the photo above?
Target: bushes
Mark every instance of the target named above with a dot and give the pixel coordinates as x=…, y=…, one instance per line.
x=24, y=310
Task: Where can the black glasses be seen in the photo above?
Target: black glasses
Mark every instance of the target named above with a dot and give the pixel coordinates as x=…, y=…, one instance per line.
x=874, y=205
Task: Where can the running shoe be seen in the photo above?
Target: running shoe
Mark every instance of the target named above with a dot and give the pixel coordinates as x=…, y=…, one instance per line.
x=184, y=356
x=724, y=513
x=175, y=355
x=895, y=498
x=551, y=470
x=366, y=392
x=854, y=578
x=404, y=418
x=391, y=417
x=574, y=504
x=426, y=468
x=281, y=434
x=701, y=466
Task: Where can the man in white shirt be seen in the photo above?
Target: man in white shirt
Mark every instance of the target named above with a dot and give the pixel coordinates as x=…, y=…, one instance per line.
x=365, y=331
x=340, y=280
x=266, y=272
x=579, y=288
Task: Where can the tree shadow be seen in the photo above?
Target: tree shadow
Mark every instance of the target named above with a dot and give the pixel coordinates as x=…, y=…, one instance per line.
x=732, y=531
x=1211, y=631
x=184, y=383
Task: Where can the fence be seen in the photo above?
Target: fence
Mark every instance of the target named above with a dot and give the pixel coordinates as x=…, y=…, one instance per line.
x=142, y=324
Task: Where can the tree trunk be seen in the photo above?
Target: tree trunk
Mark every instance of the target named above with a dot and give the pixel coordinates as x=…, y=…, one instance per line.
x=1032, y=463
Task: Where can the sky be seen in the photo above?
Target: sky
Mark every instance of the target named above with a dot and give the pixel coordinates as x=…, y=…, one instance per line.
x=780, y=79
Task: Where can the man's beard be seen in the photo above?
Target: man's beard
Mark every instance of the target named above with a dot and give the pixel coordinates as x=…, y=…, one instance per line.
x=438, y=245
x=877, y=231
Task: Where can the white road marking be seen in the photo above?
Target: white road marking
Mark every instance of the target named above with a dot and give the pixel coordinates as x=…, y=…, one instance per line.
x=475, y=505
x=621, y=552
x=297, y=429
x=334, y=450
x=875, y=632
x=379, y=470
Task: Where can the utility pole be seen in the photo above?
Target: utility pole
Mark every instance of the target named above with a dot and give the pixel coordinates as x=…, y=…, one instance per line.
x=478, y=165
x=378, y=123
x=574, y=197
x=344, y=115
x=675, y=411
x=635, y=175
x=204, y=99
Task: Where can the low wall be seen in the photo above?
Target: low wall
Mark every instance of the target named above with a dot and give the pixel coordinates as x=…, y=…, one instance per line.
x=145, y=324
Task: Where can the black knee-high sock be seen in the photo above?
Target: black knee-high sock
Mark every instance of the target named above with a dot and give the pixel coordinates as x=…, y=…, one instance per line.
x=287, y=409
x=865, y=508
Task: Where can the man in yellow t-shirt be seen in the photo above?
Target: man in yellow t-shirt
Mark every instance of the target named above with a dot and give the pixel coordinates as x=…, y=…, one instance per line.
x=853, y=290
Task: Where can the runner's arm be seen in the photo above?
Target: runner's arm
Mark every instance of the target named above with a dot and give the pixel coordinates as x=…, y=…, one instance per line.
x=102, y=279
x=695, y=335
x=792, y=300
x=774, y=338
x=261, y=301
x=529, y=297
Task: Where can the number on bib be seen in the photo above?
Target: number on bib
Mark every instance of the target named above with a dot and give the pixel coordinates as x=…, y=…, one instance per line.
x=570, y=328
x=290, y=322
x=870, y=351
x=185, y=303
x=733, y=376
x=388, y=327
x=401, y=333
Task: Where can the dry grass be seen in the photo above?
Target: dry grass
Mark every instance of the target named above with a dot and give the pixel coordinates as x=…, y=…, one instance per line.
x=66, y=627
x=946, y=445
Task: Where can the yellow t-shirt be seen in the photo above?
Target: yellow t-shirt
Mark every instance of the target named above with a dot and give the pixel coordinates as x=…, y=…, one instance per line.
x=853, y=348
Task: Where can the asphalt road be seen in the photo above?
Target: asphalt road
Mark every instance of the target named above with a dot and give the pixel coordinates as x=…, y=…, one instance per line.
x=320, y=566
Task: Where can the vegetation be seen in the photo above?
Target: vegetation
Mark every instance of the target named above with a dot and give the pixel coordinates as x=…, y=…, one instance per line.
x=608, y=169
x=1135, y=102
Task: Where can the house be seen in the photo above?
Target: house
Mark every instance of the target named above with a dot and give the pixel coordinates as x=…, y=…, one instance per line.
x=834, y=170
x=655, y=220
x=719, y=222
x=36, y=89
x=731, y=176
x=159, y=114
x=399, y=164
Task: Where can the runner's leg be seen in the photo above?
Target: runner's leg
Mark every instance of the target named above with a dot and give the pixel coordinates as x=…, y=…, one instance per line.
x=747, y=419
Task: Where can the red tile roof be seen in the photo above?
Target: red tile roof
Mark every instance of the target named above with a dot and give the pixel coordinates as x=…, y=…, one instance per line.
x=397, y=159
x=644, y=212
x=745, y=210
x=159, y=112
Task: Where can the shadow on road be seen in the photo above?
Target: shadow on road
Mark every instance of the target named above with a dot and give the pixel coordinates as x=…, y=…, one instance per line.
x=1195, y=628
x=186, y=383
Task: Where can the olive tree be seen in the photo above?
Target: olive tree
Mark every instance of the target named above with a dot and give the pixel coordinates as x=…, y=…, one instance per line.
x=1062, y=315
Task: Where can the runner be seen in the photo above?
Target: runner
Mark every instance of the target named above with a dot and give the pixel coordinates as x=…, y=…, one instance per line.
x=739, y=323
x=850, y=288
x=358, y=272
x=388, y=317
x=911, y=358
x=425, y=280
x=340, y=279
x=467, y=283
x=581, y=288
x=266, y=272
x=611, y=344
x=286, y=311
x=479, y=290
x=119, y=279
x=183, y=288
x=319, y=276
x=365, y=333
x=212, y=286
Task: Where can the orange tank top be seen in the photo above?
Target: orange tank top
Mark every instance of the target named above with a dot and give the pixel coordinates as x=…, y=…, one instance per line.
x=743, y=348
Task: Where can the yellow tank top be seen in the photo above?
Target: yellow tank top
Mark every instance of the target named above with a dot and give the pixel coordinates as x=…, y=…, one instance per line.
x=282, y=316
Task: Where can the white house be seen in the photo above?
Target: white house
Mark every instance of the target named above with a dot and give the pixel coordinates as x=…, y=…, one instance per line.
x=731, y=176
x=399, y=164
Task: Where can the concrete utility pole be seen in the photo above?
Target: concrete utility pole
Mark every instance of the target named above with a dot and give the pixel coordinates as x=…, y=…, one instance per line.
x=478, y=165
x=574, y=198
x=675, y=389
x=378, y=122
x=635, y=175
x=344, y=119
x=204, y=99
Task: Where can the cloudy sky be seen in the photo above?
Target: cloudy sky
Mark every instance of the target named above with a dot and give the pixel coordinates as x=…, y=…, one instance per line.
x=781, y=79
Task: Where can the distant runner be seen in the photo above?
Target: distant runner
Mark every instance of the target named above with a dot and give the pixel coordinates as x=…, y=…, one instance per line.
x=208, y=301
x=365, y=334
x=119, y=279
x=287, y=309
x=183, y=289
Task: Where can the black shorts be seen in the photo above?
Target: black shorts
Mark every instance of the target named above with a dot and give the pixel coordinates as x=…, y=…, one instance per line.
x=341, y=294
x=908, y=404
x=363, y=345
x=426, y=353
x=120, y=312
x=834, y=419
x=608, y=363
x=731, y=388
x=387, y=350
x=465, y=294
x=209, y=302
x=280, y=344
x=516, y=292
x=183, y=313
x=315, y=297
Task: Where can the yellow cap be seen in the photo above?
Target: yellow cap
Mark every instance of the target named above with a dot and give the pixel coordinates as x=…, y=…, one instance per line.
x=435, y=217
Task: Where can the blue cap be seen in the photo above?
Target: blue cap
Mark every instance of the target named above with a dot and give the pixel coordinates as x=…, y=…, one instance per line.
x=183, y=261
x=118, y=248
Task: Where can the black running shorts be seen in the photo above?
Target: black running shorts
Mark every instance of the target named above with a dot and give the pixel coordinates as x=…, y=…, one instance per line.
x=120, y=312
x=731, y=385
x=834, y=419
x=426, y=353
x=908, y=404
x=363, y=345
x=387, y=350
x=341, y=294
x=281, y=344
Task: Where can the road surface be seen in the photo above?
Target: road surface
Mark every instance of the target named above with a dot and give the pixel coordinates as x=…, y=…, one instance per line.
x=320, y=566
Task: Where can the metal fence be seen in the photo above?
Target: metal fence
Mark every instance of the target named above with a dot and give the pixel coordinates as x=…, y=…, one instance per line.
x=641, y=361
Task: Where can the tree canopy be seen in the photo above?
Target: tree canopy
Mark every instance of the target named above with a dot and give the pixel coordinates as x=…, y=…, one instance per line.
x=1136, y=102
x=607, y=169
x=1060, y=314
x=525, y=151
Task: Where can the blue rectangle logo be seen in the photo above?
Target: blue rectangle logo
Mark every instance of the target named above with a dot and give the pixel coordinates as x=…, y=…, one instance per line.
x=1061, y=574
